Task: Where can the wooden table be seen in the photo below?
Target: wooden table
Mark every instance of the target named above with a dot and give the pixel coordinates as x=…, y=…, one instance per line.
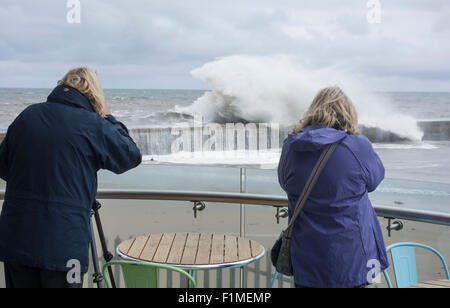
x=192, y=251
x=444, y=283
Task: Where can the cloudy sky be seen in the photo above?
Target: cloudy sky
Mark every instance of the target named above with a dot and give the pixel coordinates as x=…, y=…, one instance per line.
x=155, y=44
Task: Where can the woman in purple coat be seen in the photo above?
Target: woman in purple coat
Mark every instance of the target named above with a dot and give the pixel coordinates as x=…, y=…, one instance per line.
x=337, y=240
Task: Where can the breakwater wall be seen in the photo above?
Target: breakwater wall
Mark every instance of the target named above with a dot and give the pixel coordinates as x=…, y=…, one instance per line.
x=239, y=136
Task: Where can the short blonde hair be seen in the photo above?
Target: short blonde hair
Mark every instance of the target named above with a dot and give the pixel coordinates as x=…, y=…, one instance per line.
x=87, y=82
x=333, y=109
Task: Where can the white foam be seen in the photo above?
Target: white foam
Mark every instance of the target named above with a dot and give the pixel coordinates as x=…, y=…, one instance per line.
x=276, y=89
x=405, y=146
x=411, y=191
x=262, y=159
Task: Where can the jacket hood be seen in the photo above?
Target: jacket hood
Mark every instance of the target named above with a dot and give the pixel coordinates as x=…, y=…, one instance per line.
x=69, y=96
x=313, y=138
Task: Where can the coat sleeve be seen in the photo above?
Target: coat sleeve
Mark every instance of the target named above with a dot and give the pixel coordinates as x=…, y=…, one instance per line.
x=118, y=152
x=372, y=166
x=4, y=166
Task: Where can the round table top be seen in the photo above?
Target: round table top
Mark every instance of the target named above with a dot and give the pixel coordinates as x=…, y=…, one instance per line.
x=192, y=250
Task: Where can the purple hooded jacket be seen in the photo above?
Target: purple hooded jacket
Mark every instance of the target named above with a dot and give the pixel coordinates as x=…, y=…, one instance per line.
x=337, y=239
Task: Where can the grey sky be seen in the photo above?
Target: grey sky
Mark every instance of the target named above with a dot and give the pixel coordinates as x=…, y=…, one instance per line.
x=155, y=44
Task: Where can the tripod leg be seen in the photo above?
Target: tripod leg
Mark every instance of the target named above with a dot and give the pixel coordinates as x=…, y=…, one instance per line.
x=106, y=254
x=98, y=278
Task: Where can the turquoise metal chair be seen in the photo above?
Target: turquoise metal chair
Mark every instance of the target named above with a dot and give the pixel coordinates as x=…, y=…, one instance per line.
x=142, y=275
x=404, y=263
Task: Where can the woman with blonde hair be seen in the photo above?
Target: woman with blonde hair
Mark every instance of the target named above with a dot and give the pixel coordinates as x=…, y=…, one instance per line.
x=336, y=240
x=49, y=159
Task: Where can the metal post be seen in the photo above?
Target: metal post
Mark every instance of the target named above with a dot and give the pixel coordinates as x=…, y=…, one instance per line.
x=243, y=220
x=242, y=206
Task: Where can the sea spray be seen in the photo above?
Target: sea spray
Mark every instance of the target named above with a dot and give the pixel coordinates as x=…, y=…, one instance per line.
x=276, y=89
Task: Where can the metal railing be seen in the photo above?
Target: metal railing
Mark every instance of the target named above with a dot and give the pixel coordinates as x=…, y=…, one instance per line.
x=263, y=200
x=258, y=199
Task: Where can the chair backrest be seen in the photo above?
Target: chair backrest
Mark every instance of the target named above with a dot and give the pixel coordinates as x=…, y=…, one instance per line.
x=404, y=263
x=142, y=275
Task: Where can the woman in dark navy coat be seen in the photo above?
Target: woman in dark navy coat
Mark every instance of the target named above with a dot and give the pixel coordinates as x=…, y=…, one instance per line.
x=337, y=240
x=49, y=159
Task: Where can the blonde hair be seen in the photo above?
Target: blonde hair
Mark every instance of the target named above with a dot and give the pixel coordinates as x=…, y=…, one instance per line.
x=87, y=82
x=333, y=109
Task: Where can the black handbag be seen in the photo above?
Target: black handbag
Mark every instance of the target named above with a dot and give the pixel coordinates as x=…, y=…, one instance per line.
x=281, y=250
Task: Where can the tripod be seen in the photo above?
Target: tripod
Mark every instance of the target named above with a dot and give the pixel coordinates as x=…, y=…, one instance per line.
x=98, y=277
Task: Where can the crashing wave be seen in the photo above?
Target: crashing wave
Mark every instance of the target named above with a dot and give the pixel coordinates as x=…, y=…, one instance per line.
x=275, y=89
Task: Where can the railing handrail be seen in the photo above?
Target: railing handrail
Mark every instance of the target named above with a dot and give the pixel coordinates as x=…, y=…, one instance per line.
x=220, y=197
x=258, y=199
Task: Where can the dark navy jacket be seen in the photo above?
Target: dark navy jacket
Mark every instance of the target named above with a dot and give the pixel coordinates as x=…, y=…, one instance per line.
x=337, y=239
x=49, y=160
